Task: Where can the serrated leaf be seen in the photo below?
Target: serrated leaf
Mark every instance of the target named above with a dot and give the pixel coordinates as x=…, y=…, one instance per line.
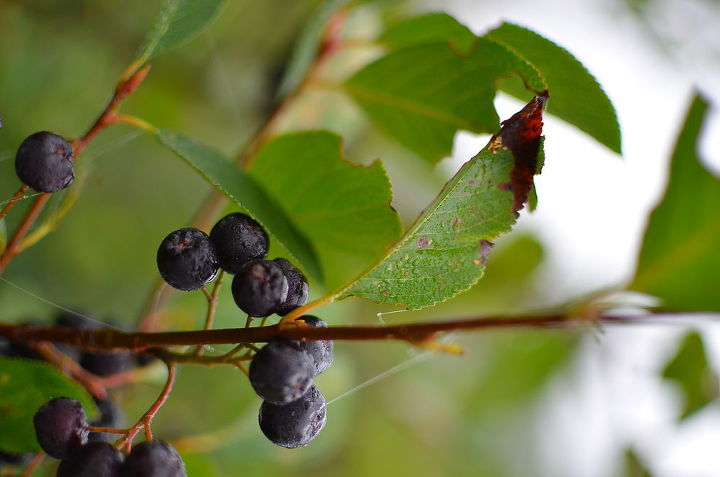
x=178, y=22
x=680, y=257
x=429, y=28
x=26, y=385
x=248, y=194
x=422, y=95
x=343, y=209
x=575, y=95
x=690, y=371
x=306, y=47
x=444, y=252
x=3, y=235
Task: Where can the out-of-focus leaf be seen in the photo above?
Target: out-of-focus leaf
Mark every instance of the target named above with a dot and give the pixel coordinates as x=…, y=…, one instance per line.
x=422, y=95
x=690, y=371
x=680, y=256
x=343, y=209
x=430, y=28
x=178, y=22
x=575, y=95
x=198, y=465
x=633, y=466
x=306, y=47
x=3, y=235
x=26, y=385
x=444, y=252
x=245, y=191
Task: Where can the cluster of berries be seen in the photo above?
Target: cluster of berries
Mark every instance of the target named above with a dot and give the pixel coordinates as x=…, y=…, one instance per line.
x=282, y=372
x=62, y=431
x=189, y=259
x=44, y=162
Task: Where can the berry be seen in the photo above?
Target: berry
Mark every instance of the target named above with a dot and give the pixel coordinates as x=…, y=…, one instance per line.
x=153, y=459
x=95, y=459
x=321, y=351
x=297, y=287
x=15, y=459
x=281, y=372
x=104, y=363
x=61, y=427
x=295, y=424
x=110, y=416
x=44, y=162
x=187, y=260
x=238, y=239
x=260, y=288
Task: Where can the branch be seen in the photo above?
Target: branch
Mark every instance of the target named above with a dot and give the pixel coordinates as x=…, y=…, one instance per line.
x=415, y=333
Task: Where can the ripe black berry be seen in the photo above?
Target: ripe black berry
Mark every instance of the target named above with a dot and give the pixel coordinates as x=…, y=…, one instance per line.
x=281, y=372
x=95, y=459
x=44, y=162
x=295, y=424
x=260, y=288
x=61, y=427
x=187, y=260
x=104, y=363
x=297, y=287
x=153, y=459
x=238, y=239
x=321, y=351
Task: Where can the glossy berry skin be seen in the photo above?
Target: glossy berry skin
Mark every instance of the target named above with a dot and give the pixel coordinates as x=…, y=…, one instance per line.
x=281, y=372
x=61, y=427
x=260, y=288
x=44, y=162
x=321, y=351
x=95, y=459
x=297, y=287
x=239, y=239
x=295, y=424
x=153, y=459
x=187, y=260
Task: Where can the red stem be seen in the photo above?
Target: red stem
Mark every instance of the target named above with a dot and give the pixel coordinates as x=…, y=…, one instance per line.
x=18, y=195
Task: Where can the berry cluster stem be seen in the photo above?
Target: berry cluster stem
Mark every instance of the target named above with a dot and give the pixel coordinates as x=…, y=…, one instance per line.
x=212, y=299
x=18, y=195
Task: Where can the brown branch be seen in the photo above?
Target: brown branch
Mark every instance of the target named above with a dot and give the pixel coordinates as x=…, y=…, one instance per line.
x=110, y=339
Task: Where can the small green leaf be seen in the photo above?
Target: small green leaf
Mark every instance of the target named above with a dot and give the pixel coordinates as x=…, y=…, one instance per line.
x=430, y=28
x=575, y=95
x=245, y=191
x=178, y=22
x=444, y=252
x=306, y=46
x=3, y=235
x=423, y=94
x=680, y=257
x=633, y=466
x=689, y=369
x=342, y=208
x=25, y=386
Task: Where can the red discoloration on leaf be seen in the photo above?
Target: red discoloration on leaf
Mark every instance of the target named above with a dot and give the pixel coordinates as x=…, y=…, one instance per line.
x=521, y=135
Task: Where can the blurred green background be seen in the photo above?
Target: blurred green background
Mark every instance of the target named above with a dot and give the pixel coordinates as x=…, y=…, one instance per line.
x=484, y=414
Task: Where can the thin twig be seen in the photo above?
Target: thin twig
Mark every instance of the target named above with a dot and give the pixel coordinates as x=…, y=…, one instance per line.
x=212, y=299
x=18, y=195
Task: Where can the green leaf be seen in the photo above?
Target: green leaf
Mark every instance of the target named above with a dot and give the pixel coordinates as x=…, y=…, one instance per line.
x=199, y=465
x=444, y=252
x=343, y=209
x=423, y=94
x=689, y=369
x=245, y=191
x=430, y=28
x=25, y=386
x=178, y=22
x=633, y=466
x=575, y=95
x=307, y=45
x=680, y=257
x=3, y=235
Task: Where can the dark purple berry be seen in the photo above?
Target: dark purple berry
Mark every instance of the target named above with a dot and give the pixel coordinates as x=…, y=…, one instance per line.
x=238, y=239
x=44, y=162
x=295, y=424
x=95, y=459
x=321, y=351
x=153, y=459
x=110, y=416
x=187, y=260
x=61, y=427
x=260, y=288
x=281, y=372
x=297, y=287
x=105, y=363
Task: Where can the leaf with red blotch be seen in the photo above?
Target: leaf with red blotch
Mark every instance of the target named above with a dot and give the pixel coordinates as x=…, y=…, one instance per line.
x=445, y=251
